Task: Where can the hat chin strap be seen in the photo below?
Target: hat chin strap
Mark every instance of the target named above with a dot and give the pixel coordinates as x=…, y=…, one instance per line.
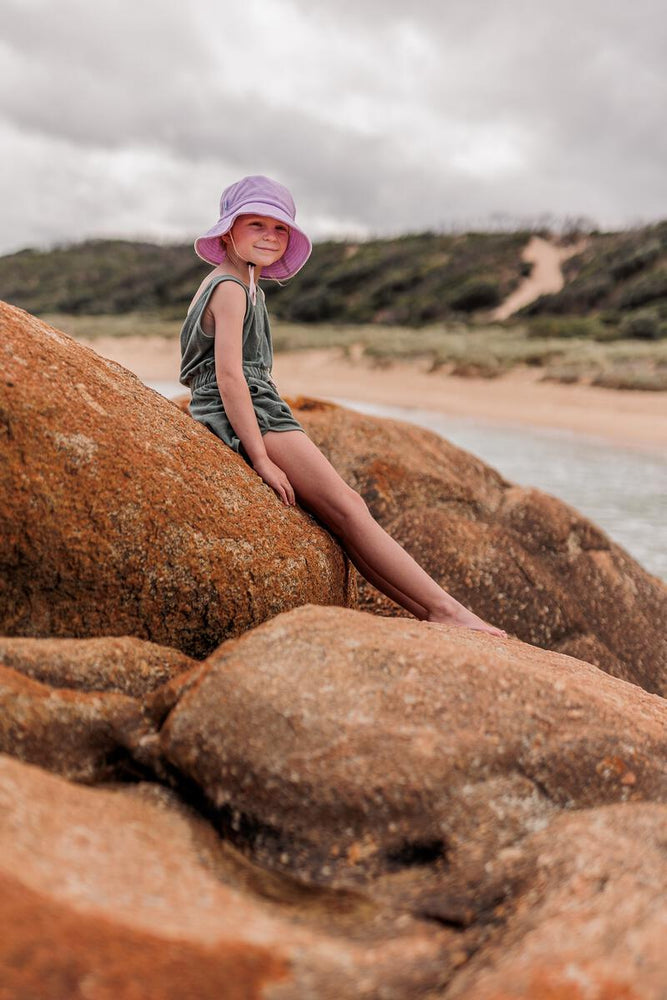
x=251, y=272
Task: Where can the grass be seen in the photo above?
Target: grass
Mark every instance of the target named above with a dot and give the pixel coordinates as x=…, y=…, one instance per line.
x=131, y=324
x=459, y=348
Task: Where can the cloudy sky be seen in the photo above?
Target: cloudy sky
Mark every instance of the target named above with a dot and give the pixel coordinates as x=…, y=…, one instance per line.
x=127, y=117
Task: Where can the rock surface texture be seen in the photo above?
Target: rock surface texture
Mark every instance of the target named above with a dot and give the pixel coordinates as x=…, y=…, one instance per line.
x=120, y=896
x=588, y=919
x=110, y=663
x=345, y=746
x=520, y=558
x=301, y=801
x=386, y=810
x=122, y=516
x=85, y=736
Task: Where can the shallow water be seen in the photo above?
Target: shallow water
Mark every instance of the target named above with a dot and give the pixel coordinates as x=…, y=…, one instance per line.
x=624, y=490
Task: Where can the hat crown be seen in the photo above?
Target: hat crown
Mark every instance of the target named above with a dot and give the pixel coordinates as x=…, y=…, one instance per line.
x=256, y=190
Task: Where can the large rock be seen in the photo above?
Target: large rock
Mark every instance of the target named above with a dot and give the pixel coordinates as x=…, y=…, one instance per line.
x=347, y=748
x=521, y=559
x=110, y=663
x=85, y=736
x=586, y=918
x=111, y=895
x=122, y=516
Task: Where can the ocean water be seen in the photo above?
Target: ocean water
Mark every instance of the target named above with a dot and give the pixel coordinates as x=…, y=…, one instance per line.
x=623, y=490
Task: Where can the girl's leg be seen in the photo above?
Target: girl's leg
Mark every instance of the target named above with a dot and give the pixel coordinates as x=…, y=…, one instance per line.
x=377, y=555
x=381, y=584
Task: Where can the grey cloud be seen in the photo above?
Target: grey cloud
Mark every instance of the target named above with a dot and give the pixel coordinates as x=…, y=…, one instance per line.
x=580, y=86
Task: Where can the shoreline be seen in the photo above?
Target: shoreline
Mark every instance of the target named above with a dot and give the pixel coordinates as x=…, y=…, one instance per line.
x=633, y=418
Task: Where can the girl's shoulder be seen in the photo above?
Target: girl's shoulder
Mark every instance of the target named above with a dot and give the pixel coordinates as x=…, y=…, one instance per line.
x=210, y=279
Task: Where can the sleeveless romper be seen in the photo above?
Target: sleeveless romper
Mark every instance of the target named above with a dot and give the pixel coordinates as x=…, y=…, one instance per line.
x=198, y=370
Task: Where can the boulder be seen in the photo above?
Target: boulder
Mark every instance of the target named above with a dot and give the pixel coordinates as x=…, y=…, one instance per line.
x=85, y=736
x=118, y=895
x=122, y=516
x=109, y=663
x=349, y=749
x=587, y=918
x=521, y=559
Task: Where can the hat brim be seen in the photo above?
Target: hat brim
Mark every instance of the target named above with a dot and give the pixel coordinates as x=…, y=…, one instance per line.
x=210, y=248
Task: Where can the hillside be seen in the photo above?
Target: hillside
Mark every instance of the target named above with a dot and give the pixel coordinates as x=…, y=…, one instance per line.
x=621, y=278
x=411, y=280
x=615, y=287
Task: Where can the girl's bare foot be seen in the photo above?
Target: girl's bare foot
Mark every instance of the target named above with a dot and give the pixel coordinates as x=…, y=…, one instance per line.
x=453, y=613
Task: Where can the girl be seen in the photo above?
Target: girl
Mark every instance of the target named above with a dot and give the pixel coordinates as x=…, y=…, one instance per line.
x=226, y=359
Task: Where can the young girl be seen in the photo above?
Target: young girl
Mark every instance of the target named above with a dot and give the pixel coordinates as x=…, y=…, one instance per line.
x=226, y=359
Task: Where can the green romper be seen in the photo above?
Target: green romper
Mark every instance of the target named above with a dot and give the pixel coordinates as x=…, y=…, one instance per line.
x=198, y=370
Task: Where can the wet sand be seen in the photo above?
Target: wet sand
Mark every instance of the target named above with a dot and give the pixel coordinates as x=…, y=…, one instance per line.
x=627, y=417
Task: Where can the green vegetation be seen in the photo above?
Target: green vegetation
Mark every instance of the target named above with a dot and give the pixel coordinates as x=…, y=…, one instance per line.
x=422, y=296
x=101, y=277
x=409, y=281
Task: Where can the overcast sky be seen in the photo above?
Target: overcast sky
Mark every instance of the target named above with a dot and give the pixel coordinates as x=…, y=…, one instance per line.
x=128, y=117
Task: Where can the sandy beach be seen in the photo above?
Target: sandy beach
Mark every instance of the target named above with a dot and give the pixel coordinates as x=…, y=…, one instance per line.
x=626, y=417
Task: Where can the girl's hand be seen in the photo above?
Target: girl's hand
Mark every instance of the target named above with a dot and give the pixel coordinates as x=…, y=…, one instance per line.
x=274, y=477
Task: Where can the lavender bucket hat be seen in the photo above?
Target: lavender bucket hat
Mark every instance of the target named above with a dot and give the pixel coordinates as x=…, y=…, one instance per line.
x=257, y=195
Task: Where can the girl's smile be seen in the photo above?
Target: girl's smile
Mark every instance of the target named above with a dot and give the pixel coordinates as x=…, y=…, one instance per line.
x=259, y=239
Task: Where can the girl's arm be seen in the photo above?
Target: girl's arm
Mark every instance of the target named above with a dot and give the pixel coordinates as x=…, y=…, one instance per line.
x=228, y=305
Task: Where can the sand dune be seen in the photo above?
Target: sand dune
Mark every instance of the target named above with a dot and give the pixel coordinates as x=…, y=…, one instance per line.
x=545, y=277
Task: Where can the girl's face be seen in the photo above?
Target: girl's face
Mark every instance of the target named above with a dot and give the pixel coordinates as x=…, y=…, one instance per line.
x=259, y=239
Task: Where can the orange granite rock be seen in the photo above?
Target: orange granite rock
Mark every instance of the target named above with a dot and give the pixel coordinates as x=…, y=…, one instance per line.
x=521, y=559
x=122, y=516
x=109, y=663
x=586, y=917
x=347, y=748
x=85, y=736
x=127, y=895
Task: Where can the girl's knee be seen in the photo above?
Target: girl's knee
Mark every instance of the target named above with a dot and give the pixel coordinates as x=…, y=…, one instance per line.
x=349, y=507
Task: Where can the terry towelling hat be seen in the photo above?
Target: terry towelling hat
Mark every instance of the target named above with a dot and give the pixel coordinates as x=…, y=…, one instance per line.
x=257, y=195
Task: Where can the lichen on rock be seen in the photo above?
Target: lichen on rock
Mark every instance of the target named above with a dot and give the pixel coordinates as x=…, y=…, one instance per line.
x=128, y=518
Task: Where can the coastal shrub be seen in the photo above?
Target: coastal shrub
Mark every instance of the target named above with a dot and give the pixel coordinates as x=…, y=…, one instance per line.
x=580, y=296
x=427, y=309
x=645, y=288
x=316, y=306
x=572, y=266
x=487, y=368
x=565, y=374
x=585, y=327
x=585, y=293
x=655, y=381
x=631, y=261
x=476, y=293
x=644, y=324
x=351, y=273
